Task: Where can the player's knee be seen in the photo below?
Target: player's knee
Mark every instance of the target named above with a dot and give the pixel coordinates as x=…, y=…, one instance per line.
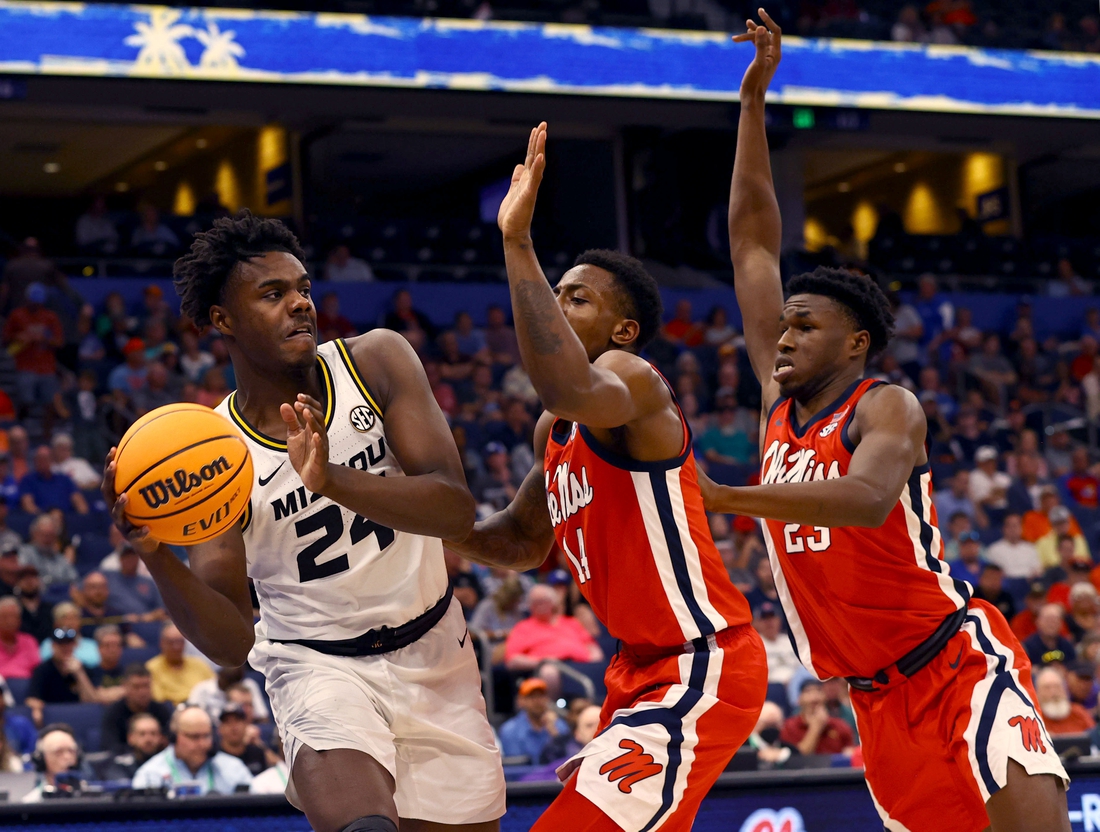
x=373, y=823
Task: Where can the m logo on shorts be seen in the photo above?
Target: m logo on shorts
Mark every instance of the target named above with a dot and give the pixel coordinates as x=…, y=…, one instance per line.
x=1031, y=732
x=630, y=768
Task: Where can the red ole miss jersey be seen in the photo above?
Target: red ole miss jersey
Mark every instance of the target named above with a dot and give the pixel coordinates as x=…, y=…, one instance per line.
x=856, y=599
x=637, y=541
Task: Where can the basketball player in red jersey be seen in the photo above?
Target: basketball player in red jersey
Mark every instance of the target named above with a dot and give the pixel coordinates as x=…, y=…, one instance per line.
x=618, y=491
x=941, y=688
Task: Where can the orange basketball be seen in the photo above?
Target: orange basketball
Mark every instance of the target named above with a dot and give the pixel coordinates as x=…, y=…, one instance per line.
x=187, y=472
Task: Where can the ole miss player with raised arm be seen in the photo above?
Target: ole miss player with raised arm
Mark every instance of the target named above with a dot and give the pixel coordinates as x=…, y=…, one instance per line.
x=941, y=688
x=618, y=490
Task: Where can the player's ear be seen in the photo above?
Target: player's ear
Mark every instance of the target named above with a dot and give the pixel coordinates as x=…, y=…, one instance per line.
x=626, y=332
x=219, y=319
x=860, y=343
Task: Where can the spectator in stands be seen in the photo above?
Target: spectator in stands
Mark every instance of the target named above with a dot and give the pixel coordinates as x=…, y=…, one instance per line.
x=1083, y=604
x=80, y=407
x=1079, y=487
x=45, y=489
x=1069, y=283
x=18, y=651
x=19, y=452
x=37, y=613
x=233, y=727
x=66, y=617
x=812, y=730
x=990, y=588
x=718, y=330
x=467, y=586
x=764, y=591
x=970, y=563
x=54, y=563
x=116, y=562
x=1089, y=28
x=246, y=693
x=989, y=487
x=403, y=317
x=129, y=377
x=174, y=674
x=133, y=597
x=681, y=330
x=957, y=500
x=496, y=615
x=1013, y=554
x=330, y=322
x=9, y=486
x=1058, y=452
x=930, y=382
x=1024, y=492
x=194, y=360
x=444, y=393
x=61, y=679
x=151, y=234
x=95, y=230
x=341, y=267
x=1057, y=578
x=548, y=634
x=137, y=698
x=1048, y=546
x=214, y=388
x=1038, y=524
x=1047, y=645
x=189, y=760
x=535, y=724
x=60, y=753
x=9, y=560
x=500, y=338
x=771, y=751
x=1023, y=624
x=79, y=470
x=274, y=780
x=782, y=660
x=496, y=486
x=29, y=266
x=565, y=745
x=212, y=695
x=726, y=442
x=572, y=602
x=144, y=739
x=156, y=392
x=109, y=643
x=957, y=524
x=937, y=313
x=1081, y=681
x=469, y=339
x=1060, y=714
x=32, y=335
x=969, y=435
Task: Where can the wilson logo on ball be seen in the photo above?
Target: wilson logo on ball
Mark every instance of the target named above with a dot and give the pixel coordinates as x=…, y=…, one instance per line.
x=182, y=482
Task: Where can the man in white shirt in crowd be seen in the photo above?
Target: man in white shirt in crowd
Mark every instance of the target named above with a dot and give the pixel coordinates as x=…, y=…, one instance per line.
x=1017, y=557
x=189, y=760
x=341, y=267
x=988, y=486
x=80, y=471
x=782, y=661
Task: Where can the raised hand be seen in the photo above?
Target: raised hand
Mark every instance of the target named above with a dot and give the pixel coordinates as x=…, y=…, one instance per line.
x=518, y=207
x=307, y=441
x=138, y=536
x=769, y=50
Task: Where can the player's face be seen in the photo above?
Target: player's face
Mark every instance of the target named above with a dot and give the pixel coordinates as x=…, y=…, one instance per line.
x=270, y=314
x=588, y=296
x=817, y=343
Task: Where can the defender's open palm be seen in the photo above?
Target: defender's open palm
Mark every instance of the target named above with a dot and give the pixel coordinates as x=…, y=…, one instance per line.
x=518, y=207
x=769, y=50
x=307, y=441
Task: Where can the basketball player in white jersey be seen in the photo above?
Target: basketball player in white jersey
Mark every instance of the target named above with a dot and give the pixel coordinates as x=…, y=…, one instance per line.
x=372, y=677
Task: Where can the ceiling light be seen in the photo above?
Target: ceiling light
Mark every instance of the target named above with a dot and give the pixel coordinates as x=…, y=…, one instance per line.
x=122, y=187
x=844, y=187
x=51, y=167
x=160, y=165
x=201, y=144
x=901, y=167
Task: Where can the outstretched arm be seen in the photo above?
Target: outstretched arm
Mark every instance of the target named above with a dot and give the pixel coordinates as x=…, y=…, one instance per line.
x=416, y=434
x=521, y=536
x=890, y=426
x=209, y=602
x=606, y=394
x=755, y=227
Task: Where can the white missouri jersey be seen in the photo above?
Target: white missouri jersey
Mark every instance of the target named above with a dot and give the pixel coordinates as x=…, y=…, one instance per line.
x=322, y=571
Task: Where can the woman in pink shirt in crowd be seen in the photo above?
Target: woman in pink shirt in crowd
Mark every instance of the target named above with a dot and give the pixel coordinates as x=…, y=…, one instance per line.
x=18, y=651
x=548, y=634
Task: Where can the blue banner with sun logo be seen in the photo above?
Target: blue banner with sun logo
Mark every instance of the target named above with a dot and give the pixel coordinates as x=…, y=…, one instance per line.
x=338, y=49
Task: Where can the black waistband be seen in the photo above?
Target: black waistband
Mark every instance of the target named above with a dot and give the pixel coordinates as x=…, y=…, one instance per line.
x=384, y=639
x=919, y=656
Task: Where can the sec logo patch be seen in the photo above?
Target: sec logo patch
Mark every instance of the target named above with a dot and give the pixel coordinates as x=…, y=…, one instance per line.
x=362, y=418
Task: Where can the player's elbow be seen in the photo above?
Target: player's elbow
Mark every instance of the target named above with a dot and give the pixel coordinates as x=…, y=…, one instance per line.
x=234, y=652
x=458, y=520
x=875, y=511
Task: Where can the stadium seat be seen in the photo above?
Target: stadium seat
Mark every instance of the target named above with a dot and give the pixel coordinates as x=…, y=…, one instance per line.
x=594, y=671
x=94, y=522
x=138, y=655
x=20, y=522
x=93, y=548
x=18, y=688
x=777, y=693
x=85, y=719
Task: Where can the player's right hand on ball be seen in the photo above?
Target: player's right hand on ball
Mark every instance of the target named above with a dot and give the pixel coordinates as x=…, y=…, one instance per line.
x=138, y=536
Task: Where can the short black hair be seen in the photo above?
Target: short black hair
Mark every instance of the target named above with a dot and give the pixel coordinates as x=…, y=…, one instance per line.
x=136, y=671
x=859, y=295
x=643, y=298
x=201, y=274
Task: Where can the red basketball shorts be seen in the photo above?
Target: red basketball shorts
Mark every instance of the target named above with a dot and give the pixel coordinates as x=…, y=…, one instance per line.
x=669, y=727
x=937, y=745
